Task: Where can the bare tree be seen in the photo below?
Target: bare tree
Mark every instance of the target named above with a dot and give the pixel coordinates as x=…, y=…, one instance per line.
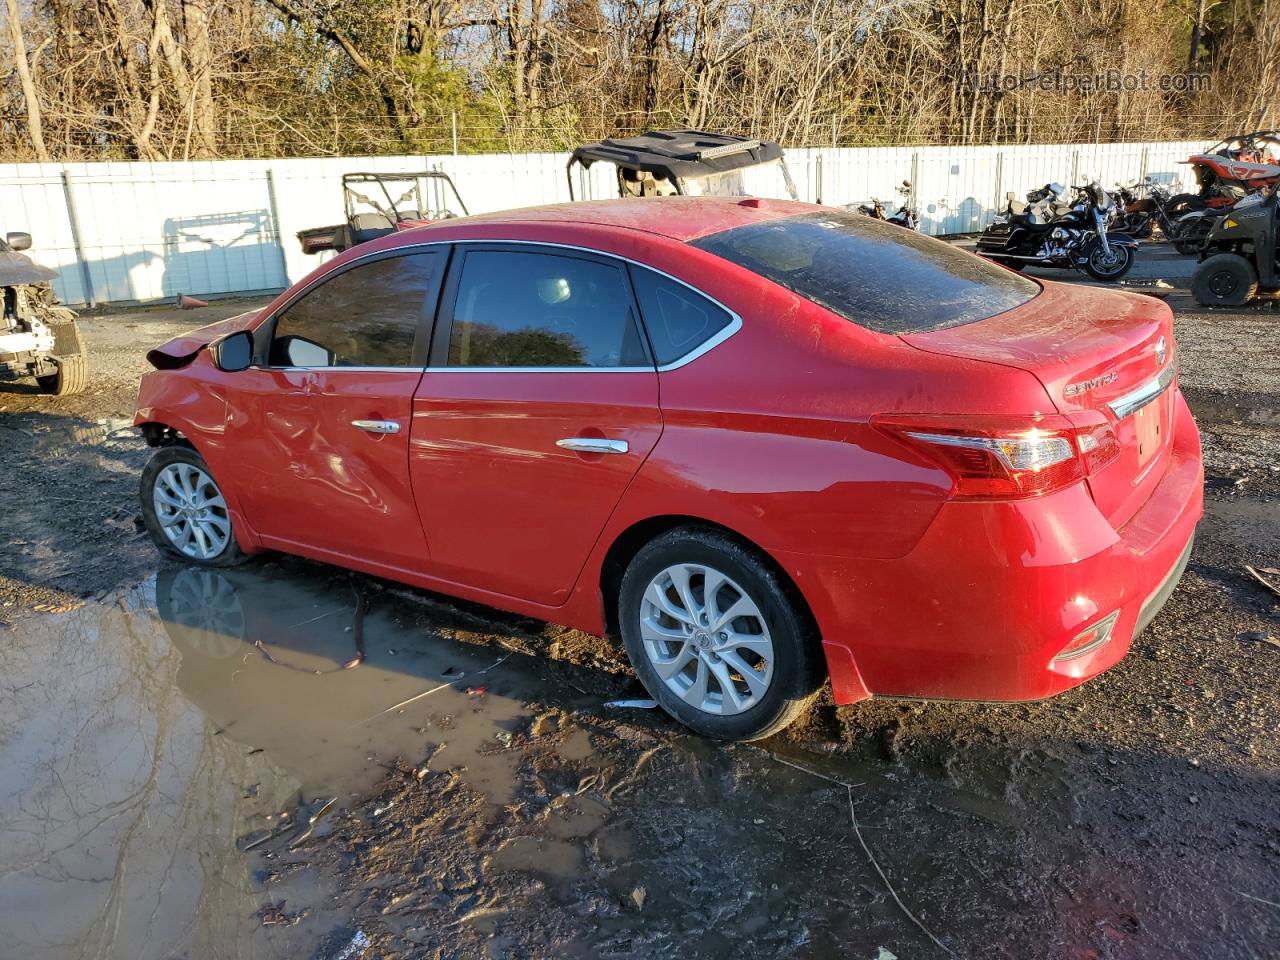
x=35, y=126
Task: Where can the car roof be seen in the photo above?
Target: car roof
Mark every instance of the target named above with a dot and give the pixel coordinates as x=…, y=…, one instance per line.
x=679, y=153
x=678, y=218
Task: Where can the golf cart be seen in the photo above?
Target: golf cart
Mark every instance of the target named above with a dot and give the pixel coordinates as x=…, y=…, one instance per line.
x=377, y=204
x=689, y=163
x=1239, y=258
x=38, y=337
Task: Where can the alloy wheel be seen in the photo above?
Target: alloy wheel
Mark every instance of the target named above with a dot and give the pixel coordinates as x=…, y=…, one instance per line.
x=191, y=511
x=1108, y=263
x=706, y=638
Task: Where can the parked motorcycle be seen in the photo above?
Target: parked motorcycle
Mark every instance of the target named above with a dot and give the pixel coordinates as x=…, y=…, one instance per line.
x=905, y=216
x=1042, y=233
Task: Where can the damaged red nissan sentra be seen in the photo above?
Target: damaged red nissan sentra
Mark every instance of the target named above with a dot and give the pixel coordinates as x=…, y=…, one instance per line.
x=764, y=442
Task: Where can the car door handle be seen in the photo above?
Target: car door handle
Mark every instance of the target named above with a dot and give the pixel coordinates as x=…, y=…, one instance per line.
x=593, y=445
x=376, y=426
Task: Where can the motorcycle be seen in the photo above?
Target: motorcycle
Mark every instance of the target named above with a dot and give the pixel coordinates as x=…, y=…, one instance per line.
x=905, y=216
x=1143, y=206
x=1050, y=232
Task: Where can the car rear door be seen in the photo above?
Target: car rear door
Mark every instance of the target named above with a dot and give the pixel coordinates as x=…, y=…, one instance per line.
x=538, y=407
x=321, y=425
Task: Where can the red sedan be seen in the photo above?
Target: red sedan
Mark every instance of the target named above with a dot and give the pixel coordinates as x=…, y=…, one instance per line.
x=765, y=442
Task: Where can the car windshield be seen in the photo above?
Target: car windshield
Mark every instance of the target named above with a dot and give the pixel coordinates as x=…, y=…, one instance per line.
x=771, y=179
x=880, y=276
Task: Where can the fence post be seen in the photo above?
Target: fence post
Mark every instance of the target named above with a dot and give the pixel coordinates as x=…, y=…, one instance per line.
x=453, y=119
x=817, y=177
x=915, y=180
x=77, y=239
x=1075, y=168
x=999, y=180
x=276, y=225
x=1146, y=163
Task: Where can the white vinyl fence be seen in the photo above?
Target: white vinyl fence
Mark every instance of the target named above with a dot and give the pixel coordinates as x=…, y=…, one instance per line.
x=139, y=232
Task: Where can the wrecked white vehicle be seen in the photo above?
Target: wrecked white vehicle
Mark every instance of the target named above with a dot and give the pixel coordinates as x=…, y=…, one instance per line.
x=39, y=338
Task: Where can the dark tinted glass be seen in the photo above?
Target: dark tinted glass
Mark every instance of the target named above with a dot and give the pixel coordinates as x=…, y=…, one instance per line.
x=678, y=319
x=542, y=310
x=364, y=317
x=878, y=275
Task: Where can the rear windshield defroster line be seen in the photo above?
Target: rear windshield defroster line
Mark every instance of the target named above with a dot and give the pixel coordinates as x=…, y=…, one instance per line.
x=880, y=276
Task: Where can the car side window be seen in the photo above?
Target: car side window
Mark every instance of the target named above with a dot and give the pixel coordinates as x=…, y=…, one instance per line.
x=677, y=317
x=526, y=309
x=367, y=316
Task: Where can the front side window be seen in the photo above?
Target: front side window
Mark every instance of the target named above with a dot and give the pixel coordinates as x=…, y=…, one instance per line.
x=875, y=274
x=517, y=309
x=367, y=316
x=678, y=318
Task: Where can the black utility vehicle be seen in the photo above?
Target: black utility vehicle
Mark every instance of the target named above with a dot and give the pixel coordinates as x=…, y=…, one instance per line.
x=1239, y=260
x=688, y=163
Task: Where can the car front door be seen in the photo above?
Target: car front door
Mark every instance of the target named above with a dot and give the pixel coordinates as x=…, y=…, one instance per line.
x=540, y=404
x=321, y=424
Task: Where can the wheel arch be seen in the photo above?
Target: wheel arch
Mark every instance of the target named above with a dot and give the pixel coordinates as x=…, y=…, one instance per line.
x=630, y=541
x=158, y=433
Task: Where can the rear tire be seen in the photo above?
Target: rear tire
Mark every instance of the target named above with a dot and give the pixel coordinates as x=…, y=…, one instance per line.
x=669, y=623
x=1184, y=203
x=1224, y=280
x=185, y=511
x=1186, y=247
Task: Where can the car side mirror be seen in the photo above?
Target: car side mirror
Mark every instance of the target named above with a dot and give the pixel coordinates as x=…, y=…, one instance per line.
x=18, y=241
x=234, y=352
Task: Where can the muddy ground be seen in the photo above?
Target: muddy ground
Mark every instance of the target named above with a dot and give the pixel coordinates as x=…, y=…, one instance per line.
x=167, y=735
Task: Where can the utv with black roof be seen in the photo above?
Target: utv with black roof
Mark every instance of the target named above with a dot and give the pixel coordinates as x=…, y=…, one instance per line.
x=39, y=338
x=689, y=163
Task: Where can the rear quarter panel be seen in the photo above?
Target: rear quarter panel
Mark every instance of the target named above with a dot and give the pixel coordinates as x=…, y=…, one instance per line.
x=768, y=433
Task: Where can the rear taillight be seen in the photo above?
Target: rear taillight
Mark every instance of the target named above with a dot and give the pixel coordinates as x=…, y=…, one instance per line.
x=1003, y=458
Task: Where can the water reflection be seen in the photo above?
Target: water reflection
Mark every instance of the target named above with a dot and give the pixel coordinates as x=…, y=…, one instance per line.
x=141, y=737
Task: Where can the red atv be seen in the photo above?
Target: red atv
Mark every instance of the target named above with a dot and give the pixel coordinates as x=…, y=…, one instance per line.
x=399, y=201
x=1231, y=169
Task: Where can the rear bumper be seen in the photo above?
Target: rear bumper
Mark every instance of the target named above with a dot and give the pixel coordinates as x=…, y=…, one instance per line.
x=994, y=591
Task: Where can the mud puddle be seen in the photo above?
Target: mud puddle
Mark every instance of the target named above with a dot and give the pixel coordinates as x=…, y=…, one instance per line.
x=154, y=745
x=285, y=760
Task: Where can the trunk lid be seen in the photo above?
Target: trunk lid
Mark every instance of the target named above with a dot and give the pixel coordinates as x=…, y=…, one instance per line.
x=1098, y=353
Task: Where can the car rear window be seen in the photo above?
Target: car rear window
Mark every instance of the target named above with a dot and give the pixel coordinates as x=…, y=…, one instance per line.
x=880, y=276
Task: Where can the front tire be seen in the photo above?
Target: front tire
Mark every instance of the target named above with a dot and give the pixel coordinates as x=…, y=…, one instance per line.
x=1109, y=267
x=1224, y=280
x=715, y=638
x=69, y=356
x=184, y=509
